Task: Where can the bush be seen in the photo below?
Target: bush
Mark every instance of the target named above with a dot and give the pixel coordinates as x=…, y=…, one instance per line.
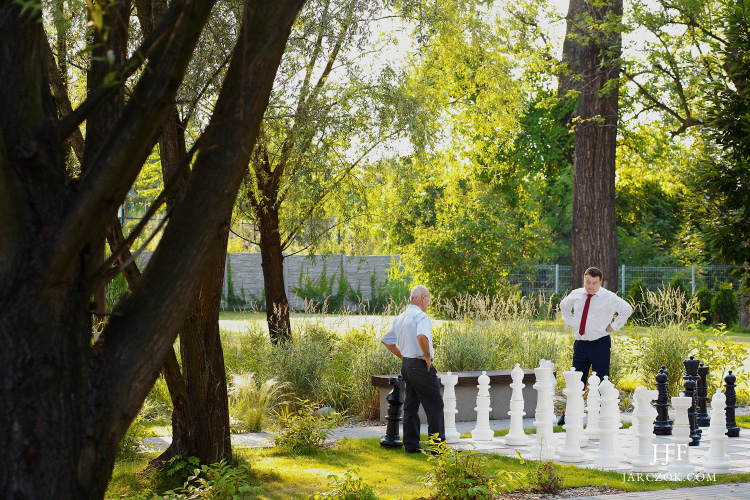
x=216, y=481
x=703, y=298
x=303, y=430
x=721, y=355
x=459, y=474
x=250, y=401
x=677, y=284
x=724, y=306
x=318, y=294
x=637, y=298
x=349, y=487
x=669, y=348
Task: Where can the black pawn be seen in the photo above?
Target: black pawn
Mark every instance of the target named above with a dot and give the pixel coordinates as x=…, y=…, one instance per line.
x=392, y=437
x=732, y=429
x=703, y=419
x=662, y=424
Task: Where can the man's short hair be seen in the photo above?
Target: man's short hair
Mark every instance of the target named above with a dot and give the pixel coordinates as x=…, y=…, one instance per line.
x=594, y=272
x=418, y=291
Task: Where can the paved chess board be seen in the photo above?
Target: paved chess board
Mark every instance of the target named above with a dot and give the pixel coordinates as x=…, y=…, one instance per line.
x=738, y=449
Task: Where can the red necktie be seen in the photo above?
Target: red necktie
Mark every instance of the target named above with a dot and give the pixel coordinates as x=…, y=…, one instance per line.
x=585, y=314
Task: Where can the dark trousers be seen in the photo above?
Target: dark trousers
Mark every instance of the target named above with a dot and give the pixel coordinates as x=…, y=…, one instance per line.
x=592, y=354
x=421, y=387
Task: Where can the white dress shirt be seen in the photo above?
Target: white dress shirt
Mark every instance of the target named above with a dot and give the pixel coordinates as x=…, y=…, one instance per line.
x=604, y=304
x=406, y=328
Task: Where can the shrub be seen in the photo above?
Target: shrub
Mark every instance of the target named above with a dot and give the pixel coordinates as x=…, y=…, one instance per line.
x=250, y=401
x=546, y=479
x=460, y=474
x=303, y=430
x=724, y=306
x=637, y=298
x=233, y=299
x=677, y=284
x=216, y=481
x=132, y=440
x=669, y=348
x=348, y=487
x=318, y=294
x=703, y=298
x=720, y=354
x=158, y=403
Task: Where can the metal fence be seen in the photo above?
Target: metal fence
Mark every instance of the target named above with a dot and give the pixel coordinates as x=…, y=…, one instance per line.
x=556, y=279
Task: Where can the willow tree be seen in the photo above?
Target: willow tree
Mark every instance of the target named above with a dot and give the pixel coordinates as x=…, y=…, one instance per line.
x=66, y=398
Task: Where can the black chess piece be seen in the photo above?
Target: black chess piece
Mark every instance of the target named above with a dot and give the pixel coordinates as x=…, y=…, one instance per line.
x=702, y=418
x=662, y=424
x=732, y=429
x=691, y=366
x=395, y=400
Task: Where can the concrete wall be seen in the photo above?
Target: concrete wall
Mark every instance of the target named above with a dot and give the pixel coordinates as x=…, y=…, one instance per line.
x=248, y=274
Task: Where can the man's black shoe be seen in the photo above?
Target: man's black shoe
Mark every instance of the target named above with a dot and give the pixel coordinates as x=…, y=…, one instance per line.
x=415, y=450
x=561, y=420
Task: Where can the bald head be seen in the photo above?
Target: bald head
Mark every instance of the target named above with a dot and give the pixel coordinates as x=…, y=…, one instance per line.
x=420, y=297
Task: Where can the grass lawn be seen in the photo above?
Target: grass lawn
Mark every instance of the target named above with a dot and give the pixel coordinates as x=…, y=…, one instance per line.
x=392, y=473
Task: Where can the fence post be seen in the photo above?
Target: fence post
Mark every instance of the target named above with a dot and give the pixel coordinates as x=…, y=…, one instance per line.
x=557, y=276
x=623, y=280
x=693, y=279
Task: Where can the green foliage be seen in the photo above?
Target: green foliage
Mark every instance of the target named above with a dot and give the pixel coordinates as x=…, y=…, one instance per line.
x=724, y=305
x=703, y=298
x=117, y=289
x=181, y=467
x=132, y=440
x=232, y=299
x=251, y=401
x=668, y=346
x=546, y=479
x=319, y=295
x=463, y=474
x=637, y=298
x=302, y=430
x=677, y=284
x=389, y=293
x=715, y=350
x=158, y=403
x=217, y=481
x=348, y=487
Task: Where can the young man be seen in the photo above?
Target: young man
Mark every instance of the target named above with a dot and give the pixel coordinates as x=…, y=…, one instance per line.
x=410, y=338
x=589, y=311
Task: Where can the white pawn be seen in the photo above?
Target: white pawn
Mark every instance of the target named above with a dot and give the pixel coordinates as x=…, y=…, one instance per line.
x=717, y=460
x=643, y=433
x=516, y=436
x=681, y=437
x=544, y=444
x=449, y=409
x=593, y=408
x=573, y=392
x=483, y=432
x=609, y=423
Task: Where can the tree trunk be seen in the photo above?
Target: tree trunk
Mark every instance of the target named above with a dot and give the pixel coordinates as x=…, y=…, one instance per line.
x=65, y=403
x=272, y=258
x=594, y=228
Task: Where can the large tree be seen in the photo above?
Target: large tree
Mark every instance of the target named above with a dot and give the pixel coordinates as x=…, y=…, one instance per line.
x=67, y=400
x=593, y=49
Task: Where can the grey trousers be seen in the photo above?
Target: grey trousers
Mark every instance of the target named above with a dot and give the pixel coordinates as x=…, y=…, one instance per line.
x=421, y=387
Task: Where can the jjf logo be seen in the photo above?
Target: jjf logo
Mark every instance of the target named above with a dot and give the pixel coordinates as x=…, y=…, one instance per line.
x=680, y=452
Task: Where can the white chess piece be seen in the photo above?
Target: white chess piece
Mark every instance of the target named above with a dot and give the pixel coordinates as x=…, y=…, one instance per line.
x=516, y=436
x=643, y=435
x=573, y=392
x=609, y=424
x=483, y=432
x=717, y=460
x=449, y=407
x=681, y=437
x=633, y=451
x=544, y=443
x=593, y=407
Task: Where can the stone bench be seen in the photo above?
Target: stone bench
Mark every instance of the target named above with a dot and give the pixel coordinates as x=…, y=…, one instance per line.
x=466, y=394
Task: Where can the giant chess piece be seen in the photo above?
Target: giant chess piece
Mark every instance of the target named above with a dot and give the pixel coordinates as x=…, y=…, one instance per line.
x=662, y=424
x=717, y=460
x=392, y=438
x=449, y=409
x=633, y=430
x=643, y=437
x=681, y=437
x=691, y=375
x=483, y=432
x=544, y=444
x=593, y=407
x=732, y=430
x=701, y=394
x=609, y=424
x=516, y=436
x=573, y=426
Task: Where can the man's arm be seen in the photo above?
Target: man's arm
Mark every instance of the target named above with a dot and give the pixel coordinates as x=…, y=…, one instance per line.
x=394, y=349
x=566, y=309
x=623, y=310
x=425, y=345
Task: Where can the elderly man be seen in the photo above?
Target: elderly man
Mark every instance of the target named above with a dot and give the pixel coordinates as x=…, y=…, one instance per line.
x=589, y=312
x=410, y=338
